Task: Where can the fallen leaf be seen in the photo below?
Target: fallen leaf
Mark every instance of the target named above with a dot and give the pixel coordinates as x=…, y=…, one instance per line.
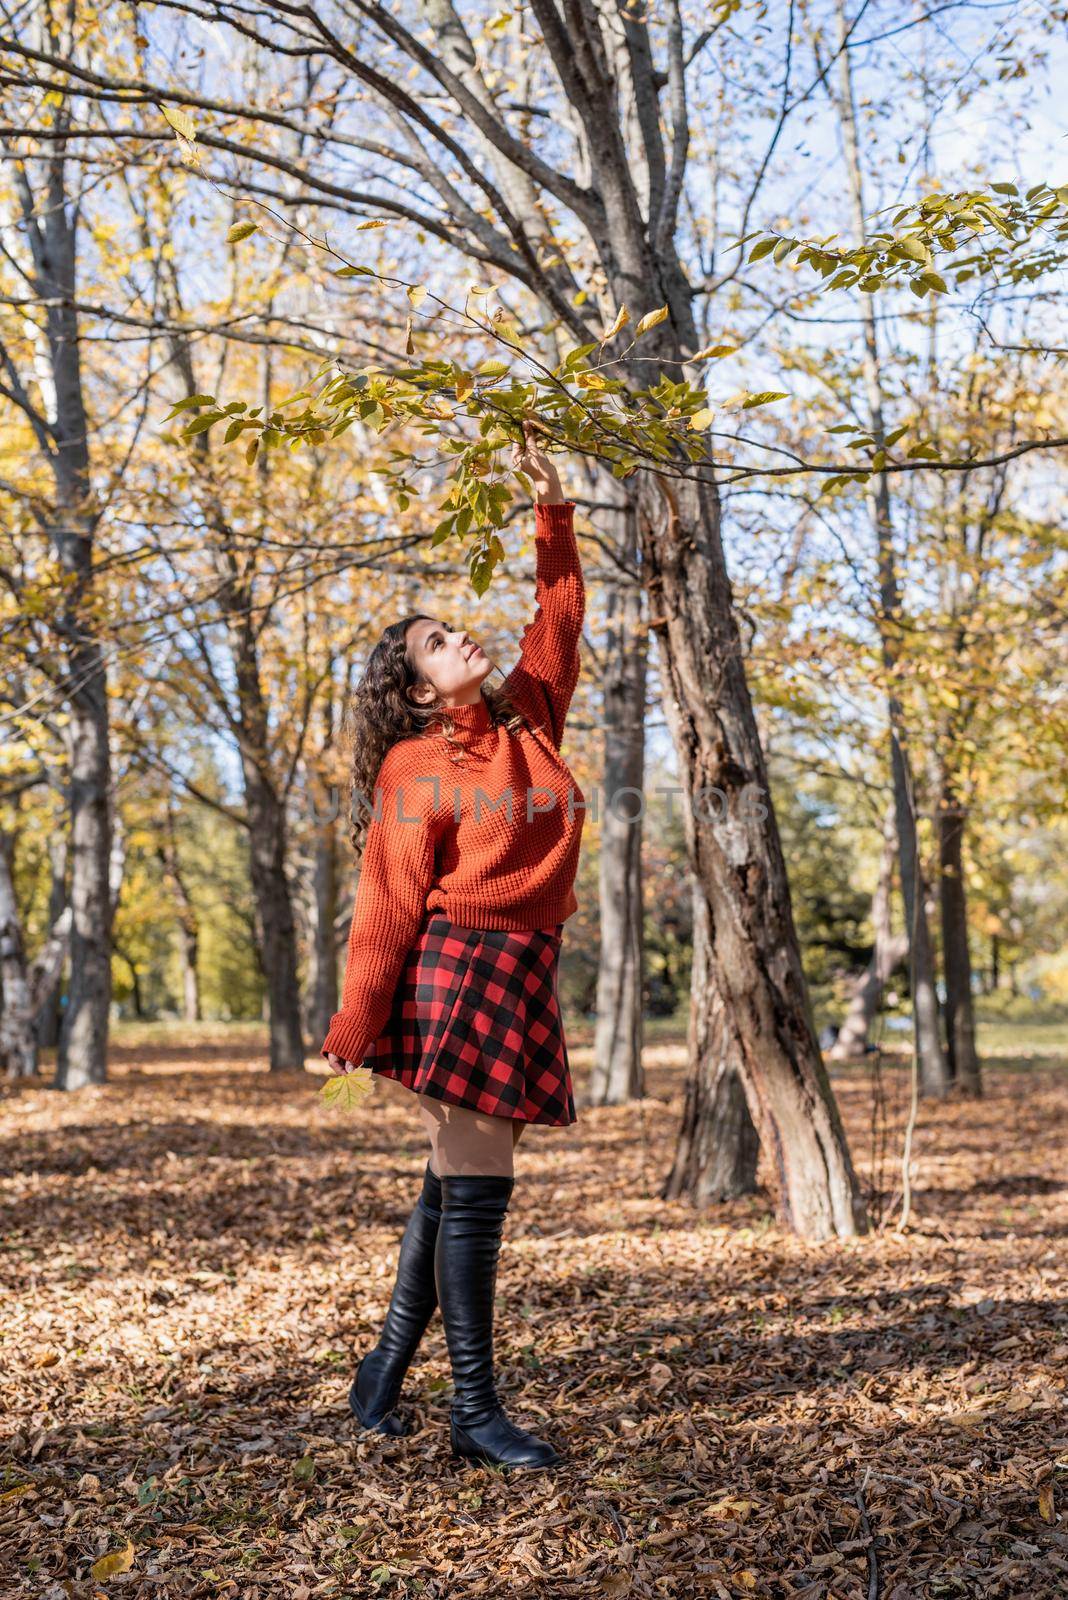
x=110, y=1566
x=1045, y=1502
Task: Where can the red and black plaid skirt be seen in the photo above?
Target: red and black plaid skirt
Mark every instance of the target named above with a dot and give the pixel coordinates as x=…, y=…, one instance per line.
x=476, y=1022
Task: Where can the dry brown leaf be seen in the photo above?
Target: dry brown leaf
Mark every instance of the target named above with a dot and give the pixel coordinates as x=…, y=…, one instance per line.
x=1045, y=1502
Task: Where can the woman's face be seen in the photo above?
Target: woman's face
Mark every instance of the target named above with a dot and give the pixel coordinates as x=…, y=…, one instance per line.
x=449, y=659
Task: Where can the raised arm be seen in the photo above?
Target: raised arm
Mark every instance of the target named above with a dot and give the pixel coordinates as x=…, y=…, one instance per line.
x=397, y=872
x=543, y=682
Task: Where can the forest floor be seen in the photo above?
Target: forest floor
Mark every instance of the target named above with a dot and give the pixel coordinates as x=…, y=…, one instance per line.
x=193, y=1255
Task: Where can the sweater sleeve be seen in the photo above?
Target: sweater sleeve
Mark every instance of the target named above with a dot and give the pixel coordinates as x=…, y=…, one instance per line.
x=542, y=683
x=397, y=872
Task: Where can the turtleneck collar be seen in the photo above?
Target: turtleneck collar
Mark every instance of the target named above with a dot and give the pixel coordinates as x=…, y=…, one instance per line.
x=473, y=719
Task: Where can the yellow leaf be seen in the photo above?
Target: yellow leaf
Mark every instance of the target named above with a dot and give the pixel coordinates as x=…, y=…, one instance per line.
x=465, y=383
x=409, y=342
x=239, y=231
x=714, y=351
x=417, y=294
x=374, y=222
x=1045, y=1502
x=730, y=1508
x=746, y=1578
x=118, y=1561
x=181, y=123
x=650, y=320
x=622, y=318
x=702, y=419
x=344, y=1091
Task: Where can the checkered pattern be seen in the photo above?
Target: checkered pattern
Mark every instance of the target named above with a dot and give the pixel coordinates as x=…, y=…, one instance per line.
x=475, y=1021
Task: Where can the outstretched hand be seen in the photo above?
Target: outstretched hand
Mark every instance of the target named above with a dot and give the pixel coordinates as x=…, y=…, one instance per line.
x=530, y=459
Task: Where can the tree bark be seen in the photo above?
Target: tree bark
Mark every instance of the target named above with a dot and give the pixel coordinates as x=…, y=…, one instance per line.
x=18, y=1046
x=956, y=957
x=890, y=949
x=718, y=1145
x=52, y=957
x=325, y=944
x=617, y=1065
x=51, y=225
x=188, y=923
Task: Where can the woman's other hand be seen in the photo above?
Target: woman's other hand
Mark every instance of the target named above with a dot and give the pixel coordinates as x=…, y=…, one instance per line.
x=338, y=1065
x=532, y=460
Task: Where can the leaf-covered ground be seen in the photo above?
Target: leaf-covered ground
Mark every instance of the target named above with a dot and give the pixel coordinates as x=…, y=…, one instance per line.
x=193, y=1254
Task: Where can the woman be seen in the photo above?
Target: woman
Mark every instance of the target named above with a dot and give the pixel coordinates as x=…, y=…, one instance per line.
x=450, y=987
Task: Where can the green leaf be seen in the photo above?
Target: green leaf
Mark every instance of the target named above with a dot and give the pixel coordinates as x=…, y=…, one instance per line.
x=911, y=249
x=765, y=398
x=239, y=231
x=202, y=424
x=304, y=1469
x=191, y=403
x=764, y=248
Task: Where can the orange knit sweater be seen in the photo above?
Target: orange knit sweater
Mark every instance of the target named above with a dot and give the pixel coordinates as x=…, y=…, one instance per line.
x=490, y=834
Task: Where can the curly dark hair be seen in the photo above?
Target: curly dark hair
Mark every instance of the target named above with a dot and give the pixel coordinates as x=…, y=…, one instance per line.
x=380, y=714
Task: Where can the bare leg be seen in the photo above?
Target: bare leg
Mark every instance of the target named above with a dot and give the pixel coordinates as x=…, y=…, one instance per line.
x=465, y=1142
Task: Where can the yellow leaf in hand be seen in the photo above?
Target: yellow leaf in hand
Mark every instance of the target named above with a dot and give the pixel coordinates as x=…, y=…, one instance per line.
x=345, y=1090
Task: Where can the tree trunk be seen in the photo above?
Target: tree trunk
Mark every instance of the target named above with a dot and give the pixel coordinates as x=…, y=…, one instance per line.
x=51, y=970
x=889, y=950
x=960, y=1016
x=736, y=855
x=188, y=923
x=718, y=1146
x=50, y=231
x=934, y=1076
x=18, y=1047
x=324, y=940
x=83, y=1039
x=617, y=1065
x=278, y=949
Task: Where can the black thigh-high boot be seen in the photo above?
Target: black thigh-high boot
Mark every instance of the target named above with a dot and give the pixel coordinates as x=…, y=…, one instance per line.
x=469, y=1241
x=377, y=1384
